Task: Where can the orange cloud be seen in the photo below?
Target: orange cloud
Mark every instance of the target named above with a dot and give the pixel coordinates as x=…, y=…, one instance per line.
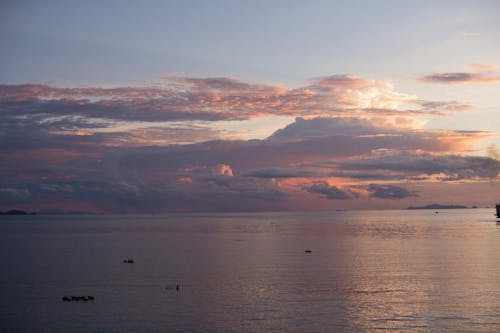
x=222, y=170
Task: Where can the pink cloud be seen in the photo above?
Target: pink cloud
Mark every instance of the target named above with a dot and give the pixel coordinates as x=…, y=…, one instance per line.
x=484, y=67
x=460, y=78
x=213, y=99
x=139, y=149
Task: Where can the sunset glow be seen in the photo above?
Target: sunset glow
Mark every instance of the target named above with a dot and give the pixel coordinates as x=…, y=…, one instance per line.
x=299, y=131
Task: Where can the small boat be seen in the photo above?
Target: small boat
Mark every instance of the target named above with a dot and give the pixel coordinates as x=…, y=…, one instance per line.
x=498, y=210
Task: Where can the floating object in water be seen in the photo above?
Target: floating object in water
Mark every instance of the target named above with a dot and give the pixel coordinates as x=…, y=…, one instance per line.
x=307, y=251
x=172, y=287
x=77, y=298
x=128, y=261
x=497, y=207
x=436, y=212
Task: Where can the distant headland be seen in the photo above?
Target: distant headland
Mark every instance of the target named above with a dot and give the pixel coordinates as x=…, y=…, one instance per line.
x=46, y=212
x=438, y=206
x=16, y=212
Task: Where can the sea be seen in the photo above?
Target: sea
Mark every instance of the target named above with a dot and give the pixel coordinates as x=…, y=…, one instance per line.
x=341, y=271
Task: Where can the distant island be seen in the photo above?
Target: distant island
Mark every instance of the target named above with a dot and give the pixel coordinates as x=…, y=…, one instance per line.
x=16, y=212
x=46, y=212
x=438, y=206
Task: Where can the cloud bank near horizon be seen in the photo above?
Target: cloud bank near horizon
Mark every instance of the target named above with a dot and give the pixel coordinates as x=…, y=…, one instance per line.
x=157, y=148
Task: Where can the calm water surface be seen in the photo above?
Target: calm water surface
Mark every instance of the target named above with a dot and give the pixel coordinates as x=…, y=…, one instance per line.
x=368, y=271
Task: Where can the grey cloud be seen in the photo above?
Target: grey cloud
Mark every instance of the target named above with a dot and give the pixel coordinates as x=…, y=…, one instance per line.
x=279, y=173
x=339, y=80
x=90, y=171
x=460, y=78
x=246, y=156
x=15, y=193
x=242, y=188
x=454, y=166
x=389, y=192
x=129, y=194
x=330, y=192
x=366, y=175
x=114, y=110
x=320, y=127
x=353, y=192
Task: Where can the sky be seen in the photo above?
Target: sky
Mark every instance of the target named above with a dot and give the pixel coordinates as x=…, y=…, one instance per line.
x=193, y=106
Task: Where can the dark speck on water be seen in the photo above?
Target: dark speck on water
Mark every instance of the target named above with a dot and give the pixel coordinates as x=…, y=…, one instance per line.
x=398, y=271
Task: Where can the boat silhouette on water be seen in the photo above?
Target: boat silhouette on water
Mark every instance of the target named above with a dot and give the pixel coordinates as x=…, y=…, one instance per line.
x=498, y=210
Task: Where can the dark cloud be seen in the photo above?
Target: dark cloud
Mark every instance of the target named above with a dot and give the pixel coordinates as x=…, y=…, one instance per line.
x=279, y=173
x=366, y=175
x=101, y=168
x=330, y=192
x=245, y=156
x=7, y=194
x=127, y=193
x=389, y=192
x=109, y=110
x=357, y=191
x=453, y=167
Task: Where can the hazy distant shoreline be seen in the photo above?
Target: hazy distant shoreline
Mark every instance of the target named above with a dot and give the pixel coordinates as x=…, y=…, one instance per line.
x=438, y=206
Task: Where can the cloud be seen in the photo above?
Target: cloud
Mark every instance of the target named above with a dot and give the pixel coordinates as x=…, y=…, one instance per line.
x=306, y=143
x=279, y=173
x=389, y=192
x=222, y=170
x=245, y=156
x=212, y=99
x=320, y=127
x=484, y=67
x=460, y=78
x=471, y=33
x=15, y=193
x=449, y=167
x=330, y=192
x=353, y=192
x=156, y=148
